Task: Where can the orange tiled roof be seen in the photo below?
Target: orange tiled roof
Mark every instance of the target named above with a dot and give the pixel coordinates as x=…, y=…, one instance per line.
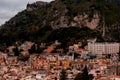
x=50, y=49
x=112, y=77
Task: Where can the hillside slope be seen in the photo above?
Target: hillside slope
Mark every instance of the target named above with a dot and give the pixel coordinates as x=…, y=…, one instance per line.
x=40, y=19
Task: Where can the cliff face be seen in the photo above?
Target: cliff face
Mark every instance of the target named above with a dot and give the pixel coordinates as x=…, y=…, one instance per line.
x=84, y=20
x=40, y=18
x=77, y=21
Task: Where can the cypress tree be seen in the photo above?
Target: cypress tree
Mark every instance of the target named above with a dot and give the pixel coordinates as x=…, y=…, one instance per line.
x=63, y=75
x=84, y=75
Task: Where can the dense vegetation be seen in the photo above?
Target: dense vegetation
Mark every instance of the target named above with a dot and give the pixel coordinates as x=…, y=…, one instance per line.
x=35, y=25
x=73, y=34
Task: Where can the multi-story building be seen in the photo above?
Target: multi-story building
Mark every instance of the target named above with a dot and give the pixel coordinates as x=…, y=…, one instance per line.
x=103, y=48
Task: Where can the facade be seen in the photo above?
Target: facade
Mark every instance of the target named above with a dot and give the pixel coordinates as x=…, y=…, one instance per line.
x=103, y=48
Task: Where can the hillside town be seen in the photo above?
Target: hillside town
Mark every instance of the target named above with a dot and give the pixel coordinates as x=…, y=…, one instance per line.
x=31, y=61
x=59, y=39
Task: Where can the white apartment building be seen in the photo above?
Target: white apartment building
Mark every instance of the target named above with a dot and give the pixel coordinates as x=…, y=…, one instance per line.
x=103, y=48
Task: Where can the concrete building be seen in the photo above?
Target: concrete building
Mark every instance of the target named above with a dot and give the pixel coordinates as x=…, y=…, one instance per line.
x=103, y=48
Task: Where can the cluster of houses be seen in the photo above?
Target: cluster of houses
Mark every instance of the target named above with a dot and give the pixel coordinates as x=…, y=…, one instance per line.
x=101, y=59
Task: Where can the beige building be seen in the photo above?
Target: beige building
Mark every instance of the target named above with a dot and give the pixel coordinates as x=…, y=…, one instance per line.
x=103, y=48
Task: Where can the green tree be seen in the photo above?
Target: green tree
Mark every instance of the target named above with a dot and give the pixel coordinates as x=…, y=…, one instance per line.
x=84, y=75
x=79, y=76
x=63, y=75
x=16, y=51
x=91, y=77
